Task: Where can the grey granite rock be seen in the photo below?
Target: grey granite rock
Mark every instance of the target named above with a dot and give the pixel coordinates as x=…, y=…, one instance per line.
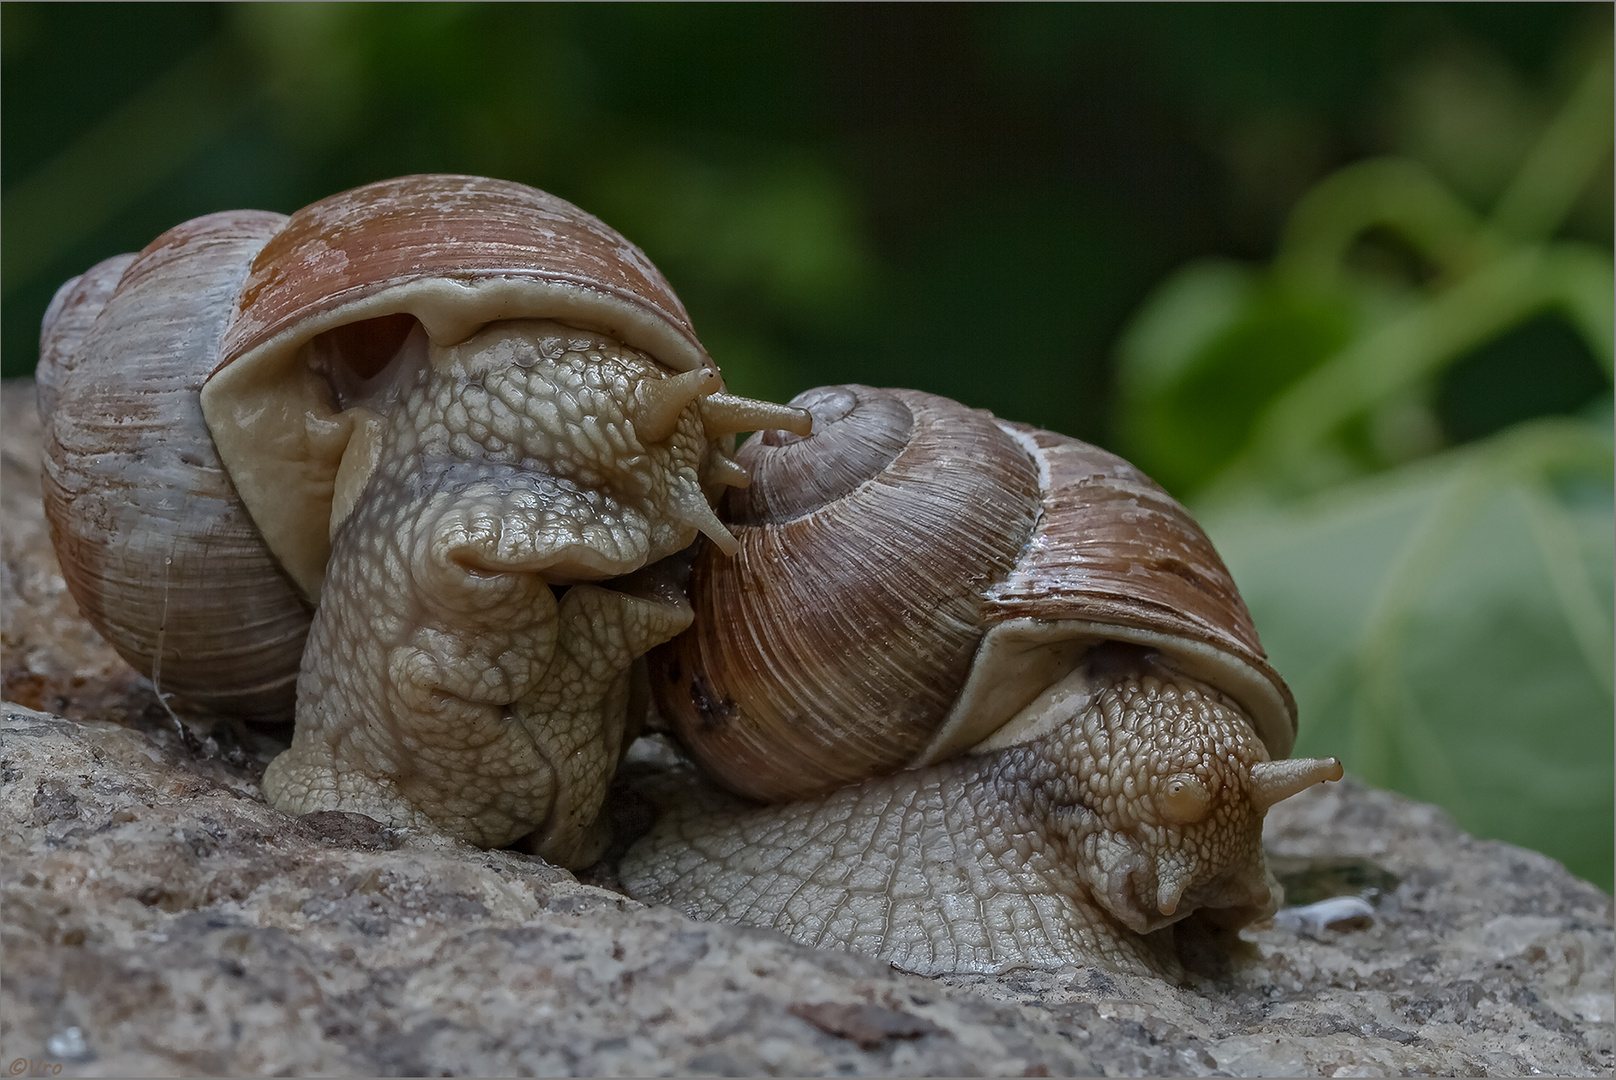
x=160, y=918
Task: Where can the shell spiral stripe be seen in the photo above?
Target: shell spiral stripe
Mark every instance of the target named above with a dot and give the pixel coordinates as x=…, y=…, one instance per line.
x=829, y=647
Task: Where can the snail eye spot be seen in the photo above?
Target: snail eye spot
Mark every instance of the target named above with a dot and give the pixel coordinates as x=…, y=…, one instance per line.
x=1184, y=800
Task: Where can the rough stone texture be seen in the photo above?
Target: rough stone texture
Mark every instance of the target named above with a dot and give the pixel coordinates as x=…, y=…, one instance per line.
x=160, y=918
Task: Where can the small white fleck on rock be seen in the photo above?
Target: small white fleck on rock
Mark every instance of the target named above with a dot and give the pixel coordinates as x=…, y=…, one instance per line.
x=67, y=1045
x=1340, y=913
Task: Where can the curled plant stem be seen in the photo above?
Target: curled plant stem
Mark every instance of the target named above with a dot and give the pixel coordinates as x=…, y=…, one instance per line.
x=1563, y=162
x=1390, y=192
x=1420, y=344
x=1496, y=274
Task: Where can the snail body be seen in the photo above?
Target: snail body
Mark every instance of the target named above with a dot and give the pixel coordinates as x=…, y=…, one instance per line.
x=367, y=464
x=1044, y=736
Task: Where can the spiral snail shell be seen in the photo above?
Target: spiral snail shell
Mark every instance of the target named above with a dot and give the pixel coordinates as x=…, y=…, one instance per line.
x=370, y=462
x=1002, y=697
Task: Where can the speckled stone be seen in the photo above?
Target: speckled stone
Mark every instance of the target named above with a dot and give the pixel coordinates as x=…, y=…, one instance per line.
x=160, y=918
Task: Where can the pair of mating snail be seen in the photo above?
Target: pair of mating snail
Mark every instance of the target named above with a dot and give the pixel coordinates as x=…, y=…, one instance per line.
x=414, y=461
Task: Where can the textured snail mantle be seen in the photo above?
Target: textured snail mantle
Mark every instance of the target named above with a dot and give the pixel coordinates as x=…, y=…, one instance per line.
x=422, y=414
x=1008, y=704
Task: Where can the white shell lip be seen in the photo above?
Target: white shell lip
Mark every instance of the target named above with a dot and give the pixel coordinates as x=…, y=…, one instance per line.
x=994, y=711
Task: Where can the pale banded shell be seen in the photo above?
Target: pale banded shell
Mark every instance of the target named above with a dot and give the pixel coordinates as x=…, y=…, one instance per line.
x=154, y=544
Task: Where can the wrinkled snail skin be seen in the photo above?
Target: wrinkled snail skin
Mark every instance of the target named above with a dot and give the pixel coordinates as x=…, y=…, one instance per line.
x=439, y=426
x=1102, y=769
x=1045, y=854
x=500, y=474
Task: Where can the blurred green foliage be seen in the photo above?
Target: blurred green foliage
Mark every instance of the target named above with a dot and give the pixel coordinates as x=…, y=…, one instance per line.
x=1339, y=275
x=966, y=199
x=1446, y=628
x=1367, y=427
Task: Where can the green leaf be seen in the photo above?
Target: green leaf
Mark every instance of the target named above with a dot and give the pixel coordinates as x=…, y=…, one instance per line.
x=1447, y=630
x=1207, y=354
x=1398, y=354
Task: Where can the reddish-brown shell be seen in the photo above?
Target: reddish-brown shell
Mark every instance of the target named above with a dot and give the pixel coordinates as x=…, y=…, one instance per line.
x=901, y=614
x=461, y=231
x=188, y=507
x=1123, y=550
x=454, y=253
x=1114, y=549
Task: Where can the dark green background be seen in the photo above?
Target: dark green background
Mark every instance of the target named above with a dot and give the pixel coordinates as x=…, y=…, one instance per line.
x=966, y=199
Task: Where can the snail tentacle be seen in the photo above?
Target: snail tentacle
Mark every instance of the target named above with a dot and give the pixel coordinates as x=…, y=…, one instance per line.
x=725, y=472
x=726, y=414
x=658, y=403
x=1273, y=781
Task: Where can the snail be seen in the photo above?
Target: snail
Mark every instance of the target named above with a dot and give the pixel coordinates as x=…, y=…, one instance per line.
x=985, y=695
x=400, y=465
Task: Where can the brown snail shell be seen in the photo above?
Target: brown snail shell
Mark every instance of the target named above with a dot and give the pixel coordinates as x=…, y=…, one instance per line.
x=191, y=453
x=153, y=541
x=908, y=593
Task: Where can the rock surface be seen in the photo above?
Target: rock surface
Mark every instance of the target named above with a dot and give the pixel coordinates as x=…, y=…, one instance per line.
x=160, y=918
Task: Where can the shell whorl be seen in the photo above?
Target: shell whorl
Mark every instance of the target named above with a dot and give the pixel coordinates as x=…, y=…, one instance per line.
x=1116, y=552
x=853, y=439
x=68, y=319
x=153, y=543
x=881, y=614
x=894, y=518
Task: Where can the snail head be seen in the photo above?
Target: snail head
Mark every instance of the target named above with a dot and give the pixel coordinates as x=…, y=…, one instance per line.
x=1175, y=783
